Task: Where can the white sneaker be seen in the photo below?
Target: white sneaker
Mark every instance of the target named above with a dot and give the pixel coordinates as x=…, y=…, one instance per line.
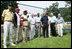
x=49, y=35
x=5, y=46
x=13, y=44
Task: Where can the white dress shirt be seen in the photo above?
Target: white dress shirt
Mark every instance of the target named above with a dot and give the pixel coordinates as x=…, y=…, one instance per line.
x=53, y=19
x=31, y=20
x=18, y=19
x=49, y=18
x=37, y=19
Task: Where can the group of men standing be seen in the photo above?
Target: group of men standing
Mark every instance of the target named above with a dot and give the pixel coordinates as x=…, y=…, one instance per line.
x=29, y=24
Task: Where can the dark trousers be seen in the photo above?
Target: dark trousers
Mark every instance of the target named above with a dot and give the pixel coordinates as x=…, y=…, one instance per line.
x=53, y=29
x=45, y=30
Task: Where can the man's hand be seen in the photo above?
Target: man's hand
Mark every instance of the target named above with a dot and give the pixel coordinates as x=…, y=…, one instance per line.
x=56, y=26
x=42, y=25
x=3, y=19
x=29, y=26
x=15, y=25
x=48, y=22
x=63, y=25
x=22, y=27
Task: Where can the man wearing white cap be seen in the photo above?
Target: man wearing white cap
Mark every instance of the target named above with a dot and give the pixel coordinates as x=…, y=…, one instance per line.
x=25, y=26
x=17, y=25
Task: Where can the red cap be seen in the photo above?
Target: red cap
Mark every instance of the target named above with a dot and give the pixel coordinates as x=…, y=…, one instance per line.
x=17, y=9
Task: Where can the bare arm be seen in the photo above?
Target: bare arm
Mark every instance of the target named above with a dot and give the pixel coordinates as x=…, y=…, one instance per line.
x=3, y=19
x=48, y=22
x=41, y=24
x=63, y=23
x=56, y=24
x=24, y=19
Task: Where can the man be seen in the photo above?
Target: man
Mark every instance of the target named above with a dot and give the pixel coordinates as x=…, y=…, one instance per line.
x=17, y=25
x=37, y=25
x=32, y=26
x=60, y=22
x=25, y=26
x=52, y=24
x=8, y=18
x=44, y=24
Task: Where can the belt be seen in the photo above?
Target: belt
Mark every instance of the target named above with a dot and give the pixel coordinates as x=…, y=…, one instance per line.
x=53, y=22
x=8, y=20
x=32, y=24
x=59, y=23
x=37, y=22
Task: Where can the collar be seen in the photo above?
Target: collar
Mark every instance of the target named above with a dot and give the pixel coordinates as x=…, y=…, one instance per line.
x=24, y=15
x=59, y=18
x=51, y=16
x=44, y=16
x=8, y=10
x=16, y=12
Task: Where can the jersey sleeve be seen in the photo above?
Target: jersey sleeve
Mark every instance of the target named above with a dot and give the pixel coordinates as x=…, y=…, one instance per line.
x=3, y=14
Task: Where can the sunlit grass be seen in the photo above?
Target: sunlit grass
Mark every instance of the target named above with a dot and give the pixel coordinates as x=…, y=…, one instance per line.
x=52, y=42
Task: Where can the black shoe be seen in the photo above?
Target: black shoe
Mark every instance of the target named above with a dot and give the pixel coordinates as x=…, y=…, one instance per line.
x=16, y=42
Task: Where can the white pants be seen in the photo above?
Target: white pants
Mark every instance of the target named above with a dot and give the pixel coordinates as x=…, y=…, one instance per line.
x=60, y=32
x=32, y=31
x=7, y=29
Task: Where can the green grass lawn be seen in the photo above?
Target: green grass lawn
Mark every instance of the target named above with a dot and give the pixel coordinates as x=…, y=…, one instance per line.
x=52, y=42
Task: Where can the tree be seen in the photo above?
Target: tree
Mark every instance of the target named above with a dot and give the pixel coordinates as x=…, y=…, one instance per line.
x=53, y=8
x=65, y=12
x=68, y=4
x=4, y=5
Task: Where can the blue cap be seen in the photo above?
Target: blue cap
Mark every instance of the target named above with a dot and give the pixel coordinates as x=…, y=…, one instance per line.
x=28, y=16
x=47, y=13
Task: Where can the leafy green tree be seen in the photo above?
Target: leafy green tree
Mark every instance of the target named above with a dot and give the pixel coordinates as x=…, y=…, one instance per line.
x=53, y=8
x=68, y=3
x=65, y=12
x=4, y=5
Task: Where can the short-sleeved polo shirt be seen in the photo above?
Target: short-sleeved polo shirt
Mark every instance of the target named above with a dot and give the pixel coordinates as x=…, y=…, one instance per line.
x=8, y=16
x=60, y=20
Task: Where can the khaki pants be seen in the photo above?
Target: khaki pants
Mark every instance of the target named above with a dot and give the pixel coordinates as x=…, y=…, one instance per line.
x=24, y=33
x=17, y=33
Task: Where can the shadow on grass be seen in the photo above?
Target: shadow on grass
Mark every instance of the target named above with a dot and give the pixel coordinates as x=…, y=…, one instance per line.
x=64, y=33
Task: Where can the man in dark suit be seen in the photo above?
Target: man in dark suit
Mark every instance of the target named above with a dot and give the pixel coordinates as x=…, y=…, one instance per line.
x=44, y=24
x=17, y=24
